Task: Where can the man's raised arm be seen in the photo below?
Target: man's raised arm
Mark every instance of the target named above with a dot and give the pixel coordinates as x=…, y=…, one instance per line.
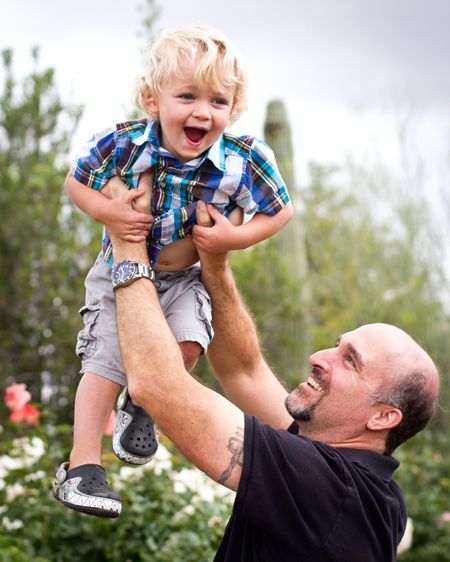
x=235, y=352
x=206, y=427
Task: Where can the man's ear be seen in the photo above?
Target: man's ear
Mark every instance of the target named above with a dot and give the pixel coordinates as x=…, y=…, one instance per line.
x=385, y=417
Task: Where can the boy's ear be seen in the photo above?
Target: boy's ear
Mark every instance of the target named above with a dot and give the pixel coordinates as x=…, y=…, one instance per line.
x=150, y=101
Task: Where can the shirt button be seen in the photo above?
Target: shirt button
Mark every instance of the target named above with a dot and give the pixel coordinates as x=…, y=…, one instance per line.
x=158, y=284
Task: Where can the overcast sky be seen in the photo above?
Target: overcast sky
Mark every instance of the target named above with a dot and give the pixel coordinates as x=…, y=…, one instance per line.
x=346, y=69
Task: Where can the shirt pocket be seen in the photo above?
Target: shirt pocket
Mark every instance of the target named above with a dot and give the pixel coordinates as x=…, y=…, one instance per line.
x=87, y=336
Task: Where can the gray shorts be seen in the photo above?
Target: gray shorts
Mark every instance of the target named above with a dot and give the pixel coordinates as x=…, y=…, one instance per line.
x=183, y=299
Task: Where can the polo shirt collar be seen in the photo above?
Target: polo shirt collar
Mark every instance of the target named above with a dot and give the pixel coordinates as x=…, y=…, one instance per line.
x=383, y=465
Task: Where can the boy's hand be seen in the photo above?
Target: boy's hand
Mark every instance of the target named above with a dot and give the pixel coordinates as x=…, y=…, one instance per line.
x=118, y=214
x=219, y=238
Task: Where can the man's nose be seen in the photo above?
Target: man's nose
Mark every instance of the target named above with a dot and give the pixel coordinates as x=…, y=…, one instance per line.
x=321, y=359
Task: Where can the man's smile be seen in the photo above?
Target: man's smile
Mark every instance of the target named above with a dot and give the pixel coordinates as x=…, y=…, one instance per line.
x=312, y=382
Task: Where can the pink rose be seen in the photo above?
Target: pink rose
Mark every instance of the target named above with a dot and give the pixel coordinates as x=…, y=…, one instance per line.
x=16, y=396
x=28, y=414
x=110, y=424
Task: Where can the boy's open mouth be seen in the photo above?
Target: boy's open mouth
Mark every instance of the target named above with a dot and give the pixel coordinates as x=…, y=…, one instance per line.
x=194, y=134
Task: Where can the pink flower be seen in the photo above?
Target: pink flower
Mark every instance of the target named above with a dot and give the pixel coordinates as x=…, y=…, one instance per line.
x=16, y=396
x=445, y=517
x=110, y=424
x=28, y=414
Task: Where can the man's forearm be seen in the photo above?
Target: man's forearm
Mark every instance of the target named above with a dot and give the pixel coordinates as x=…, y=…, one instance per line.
x=235, y=352
x=199, y=421
x=238, y=338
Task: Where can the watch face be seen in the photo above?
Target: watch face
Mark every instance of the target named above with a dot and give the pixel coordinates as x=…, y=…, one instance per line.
x=123, y=272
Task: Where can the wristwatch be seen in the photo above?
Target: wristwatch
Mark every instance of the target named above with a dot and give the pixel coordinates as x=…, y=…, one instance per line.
x=125, y=272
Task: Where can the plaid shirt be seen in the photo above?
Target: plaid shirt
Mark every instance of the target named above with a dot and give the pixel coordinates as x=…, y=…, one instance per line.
x=234, y=172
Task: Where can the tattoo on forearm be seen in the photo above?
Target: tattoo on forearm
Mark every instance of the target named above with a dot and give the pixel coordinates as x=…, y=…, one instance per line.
x=236, y=448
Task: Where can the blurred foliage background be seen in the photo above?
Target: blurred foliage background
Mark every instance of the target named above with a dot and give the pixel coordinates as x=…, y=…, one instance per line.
x=362, y=247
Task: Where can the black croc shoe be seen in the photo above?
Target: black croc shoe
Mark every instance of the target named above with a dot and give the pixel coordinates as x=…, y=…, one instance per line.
x=86, y=489
x=135, y=439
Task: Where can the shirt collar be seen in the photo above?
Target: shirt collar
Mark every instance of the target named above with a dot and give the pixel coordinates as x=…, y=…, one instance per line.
x=216, y=153
x=383, y=465
x=150, y=134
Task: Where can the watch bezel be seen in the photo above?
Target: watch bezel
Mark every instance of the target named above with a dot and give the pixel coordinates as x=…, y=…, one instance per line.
x=127, y=271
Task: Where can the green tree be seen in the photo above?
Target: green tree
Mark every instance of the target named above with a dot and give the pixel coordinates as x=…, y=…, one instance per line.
x=375, y=264
x=44, y=245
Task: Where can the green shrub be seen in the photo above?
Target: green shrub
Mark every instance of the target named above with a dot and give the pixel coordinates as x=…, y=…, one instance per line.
x=425, y=480
x=171, y=512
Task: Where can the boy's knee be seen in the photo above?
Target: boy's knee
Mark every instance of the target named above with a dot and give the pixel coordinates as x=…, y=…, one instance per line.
x=191, y=351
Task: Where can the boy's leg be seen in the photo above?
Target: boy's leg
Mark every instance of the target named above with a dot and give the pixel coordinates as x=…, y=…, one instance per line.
x=81, y=483
x=94, y=402
x=191, y=351
x=187, y=308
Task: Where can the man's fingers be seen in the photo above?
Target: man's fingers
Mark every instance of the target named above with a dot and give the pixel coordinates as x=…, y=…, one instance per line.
x=145, y=182
x=116, y=186
x=106, y=191
x=134, y=238
x=200, y=232
x=202, y=215
x=215, y=214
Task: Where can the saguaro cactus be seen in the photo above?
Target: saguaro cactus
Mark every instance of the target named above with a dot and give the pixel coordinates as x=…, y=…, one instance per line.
x=291, y=239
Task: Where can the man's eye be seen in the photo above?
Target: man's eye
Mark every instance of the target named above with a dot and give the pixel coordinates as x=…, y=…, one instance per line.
x=349, y=358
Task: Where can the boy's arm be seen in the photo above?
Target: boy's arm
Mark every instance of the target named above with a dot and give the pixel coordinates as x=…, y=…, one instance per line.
x=116, y=214
x=224, y=236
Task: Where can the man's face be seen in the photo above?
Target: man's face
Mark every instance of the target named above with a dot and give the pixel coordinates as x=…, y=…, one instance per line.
x=337, y=394
x=192, y=117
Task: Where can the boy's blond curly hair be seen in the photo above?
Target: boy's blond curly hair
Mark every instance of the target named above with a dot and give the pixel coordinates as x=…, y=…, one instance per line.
x=218, y=65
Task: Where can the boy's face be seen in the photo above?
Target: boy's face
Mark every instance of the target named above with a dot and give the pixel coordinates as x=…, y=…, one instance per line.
x=191, y=118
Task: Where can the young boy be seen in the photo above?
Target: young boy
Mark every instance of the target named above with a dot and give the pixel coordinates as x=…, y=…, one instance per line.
x=193, y=88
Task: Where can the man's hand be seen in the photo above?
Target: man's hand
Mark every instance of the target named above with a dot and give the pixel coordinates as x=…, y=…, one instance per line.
x=212, y=262
x=218, y=237
x=127, y=214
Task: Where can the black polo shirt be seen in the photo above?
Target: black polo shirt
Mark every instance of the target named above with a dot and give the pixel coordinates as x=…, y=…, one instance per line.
x=302, y=500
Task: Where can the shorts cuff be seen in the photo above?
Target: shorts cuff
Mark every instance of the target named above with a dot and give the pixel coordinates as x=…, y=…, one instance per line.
x=201, y=338
x=102, y=371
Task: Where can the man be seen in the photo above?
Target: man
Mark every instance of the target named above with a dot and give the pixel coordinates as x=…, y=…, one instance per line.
x=323, y=495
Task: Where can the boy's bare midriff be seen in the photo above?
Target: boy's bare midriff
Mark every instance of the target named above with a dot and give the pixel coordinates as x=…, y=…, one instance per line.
x=182, y=253
x=179, y=254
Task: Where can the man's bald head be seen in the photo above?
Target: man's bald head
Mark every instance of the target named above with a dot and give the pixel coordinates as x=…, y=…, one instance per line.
x=410, y=381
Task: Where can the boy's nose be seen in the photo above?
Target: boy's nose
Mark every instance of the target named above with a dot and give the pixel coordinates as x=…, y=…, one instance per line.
x=201, y=110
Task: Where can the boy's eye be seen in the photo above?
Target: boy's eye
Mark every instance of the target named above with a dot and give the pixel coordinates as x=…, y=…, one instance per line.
x=187, y=96
x=220, y=101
